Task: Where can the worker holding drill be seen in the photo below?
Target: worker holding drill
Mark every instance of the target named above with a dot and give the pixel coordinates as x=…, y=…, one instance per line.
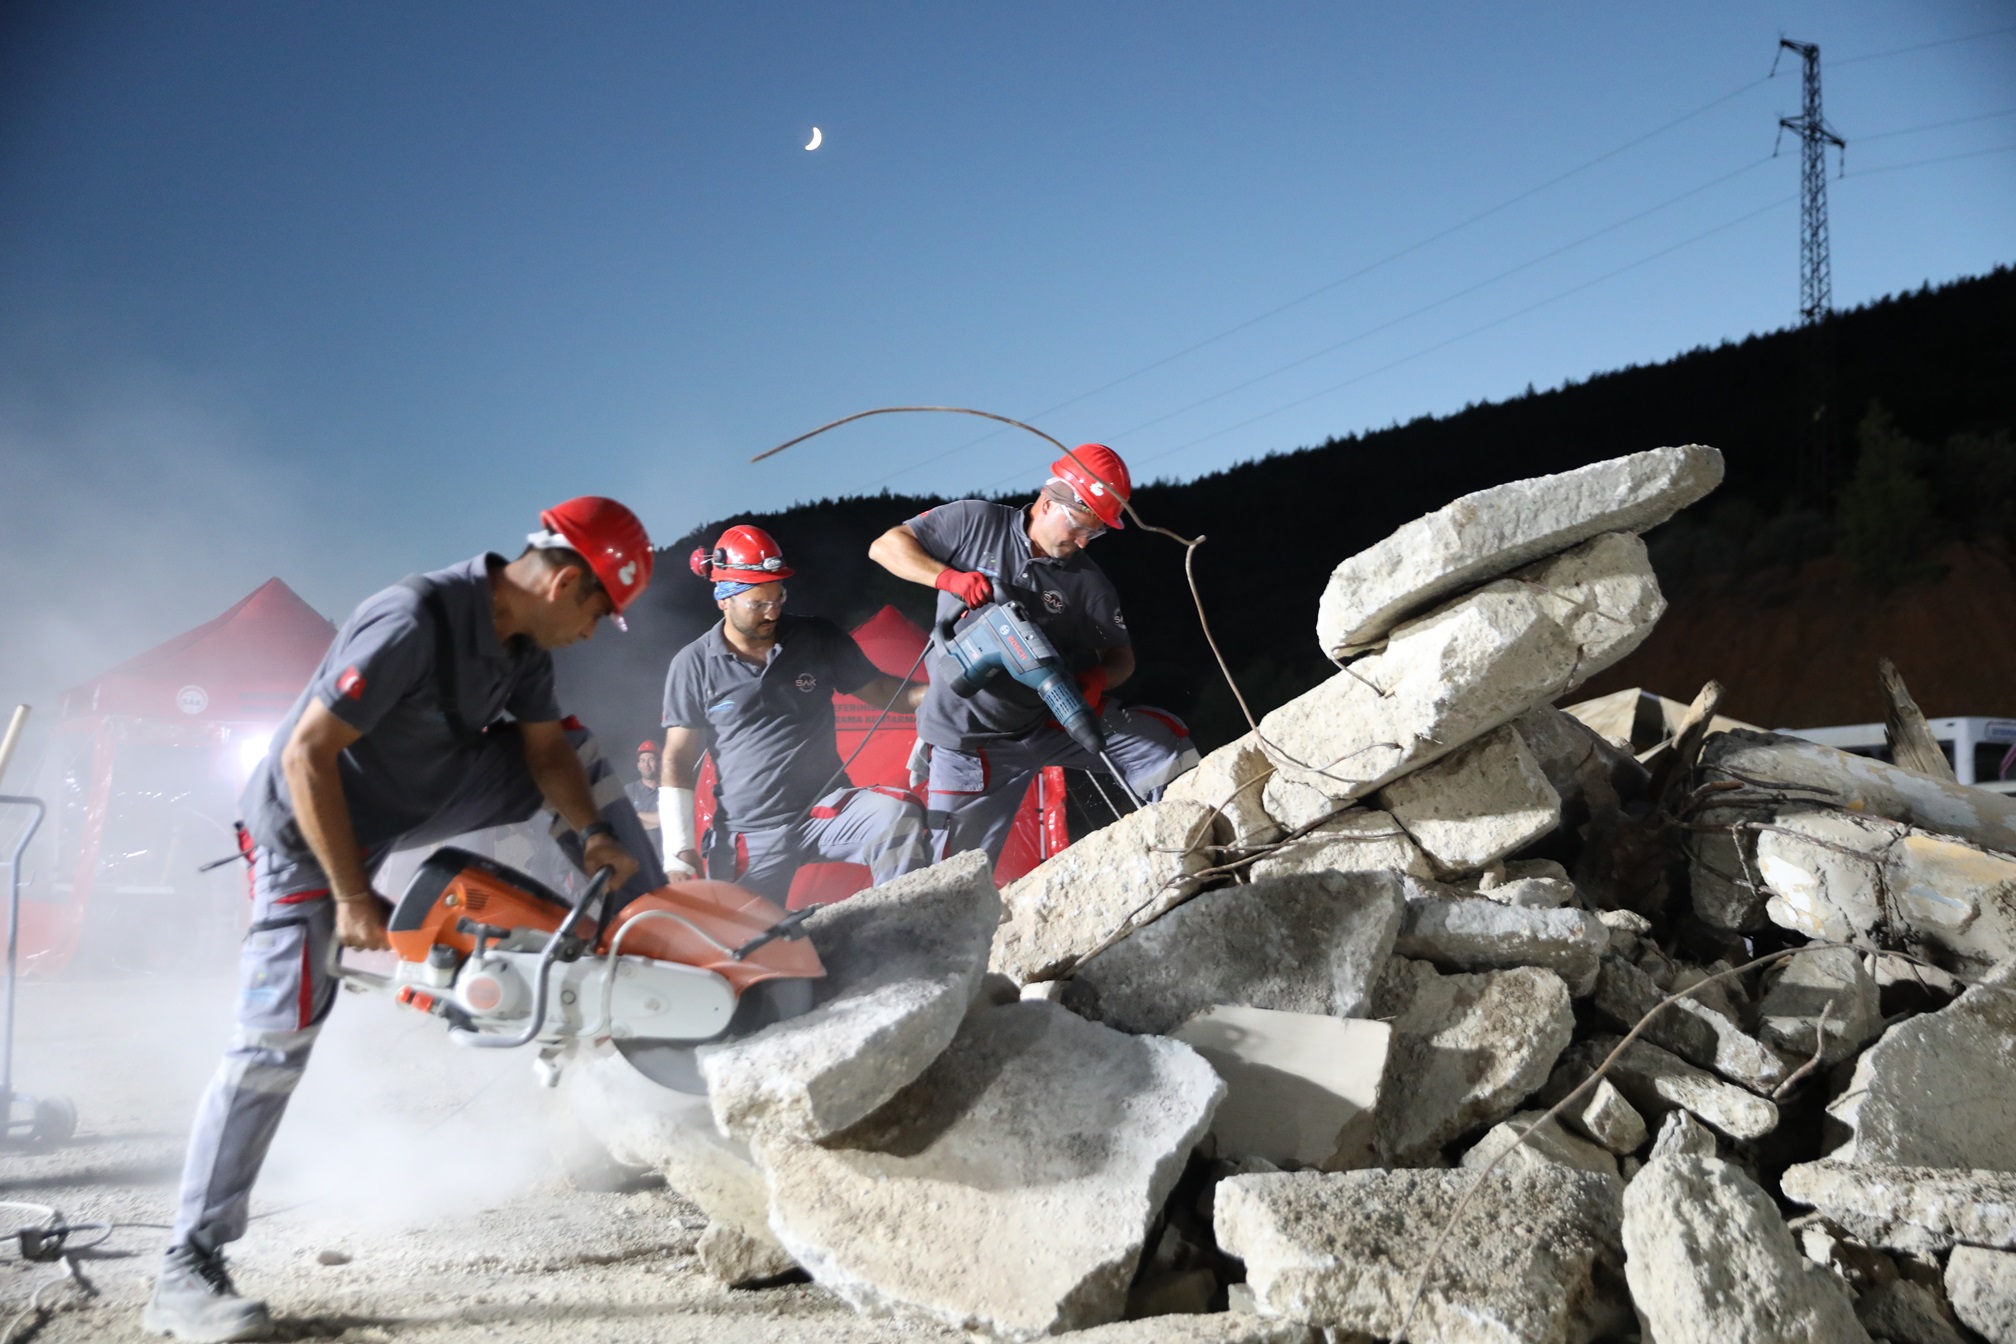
x=985, y=747
x=757, y=691
x=432, y=714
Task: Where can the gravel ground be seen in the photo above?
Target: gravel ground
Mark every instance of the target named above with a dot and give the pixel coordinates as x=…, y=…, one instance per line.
x=424, y=1168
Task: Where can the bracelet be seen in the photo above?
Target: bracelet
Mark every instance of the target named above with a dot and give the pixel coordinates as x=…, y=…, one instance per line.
x=595, y=828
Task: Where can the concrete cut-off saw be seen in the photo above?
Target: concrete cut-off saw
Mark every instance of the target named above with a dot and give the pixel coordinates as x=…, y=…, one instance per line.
x=506, y=962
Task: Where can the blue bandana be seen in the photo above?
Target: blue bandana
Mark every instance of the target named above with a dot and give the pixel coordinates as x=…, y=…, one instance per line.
x=727, y=588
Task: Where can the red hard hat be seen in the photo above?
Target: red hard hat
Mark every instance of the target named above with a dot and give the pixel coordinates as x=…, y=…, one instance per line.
x=609, y=537
x=1099, y=478
x=647, y=745
x=744, y=554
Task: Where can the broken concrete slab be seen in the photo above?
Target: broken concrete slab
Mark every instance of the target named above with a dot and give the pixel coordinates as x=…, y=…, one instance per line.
x=1467, y=1049
x=1604, y=1116
x=1657, y=1081
x=1356, y=841
x=1461, y=671
x=1527, y=1139
x=1981, y=1285
x=903, y=961
x=1722, y=876
x=1531, y=884
x=1119, y=876
x=1232, y=781
x=1035, y=1133
x=1479, y=934
x=1301, y=1088
x=1534, y=1258
x=1690, y=1028
x=1479, y=803
x=1585, y=771
x=1964, y=1055
x=1681, y=1135
x=1916, y=1209
x=1829, y=984
x=1495, y=531
x=1307, y=943
x=1904, y=1312
x=1779, y=765
x=1842, y=878
x=669, y=1132
x=1710, y=1260
x=734, y=1257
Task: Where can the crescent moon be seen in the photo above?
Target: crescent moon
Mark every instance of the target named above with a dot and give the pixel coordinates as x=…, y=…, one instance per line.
x=817, y=136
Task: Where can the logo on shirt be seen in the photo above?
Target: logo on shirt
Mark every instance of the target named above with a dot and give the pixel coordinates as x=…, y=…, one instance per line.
x=720, y=707
x=1119, y=619
x=806, y=682
x=1053, y=600
x=351, y=684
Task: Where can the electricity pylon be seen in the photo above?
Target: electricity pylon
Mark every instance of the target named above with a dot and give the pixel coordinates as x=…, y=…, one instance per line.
x=1816, y=274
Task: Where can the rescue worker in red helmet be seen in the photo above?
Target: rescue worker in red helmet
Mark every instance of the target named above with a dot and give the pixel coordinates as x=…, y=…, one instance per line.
x=756, y=691
x=432, y=714
x=985, y=748
x=643, y=791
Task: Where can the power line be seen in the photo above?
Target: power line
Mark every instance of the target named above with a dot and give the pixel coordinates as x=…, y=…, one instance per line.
x=1926, y=46
x=1919, y=163
x=1364, y=270
x=1936, y=125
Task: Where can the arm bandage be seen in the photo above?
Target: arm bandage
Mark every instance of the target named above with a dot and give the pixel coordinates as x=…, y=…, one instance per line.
x=675, y=823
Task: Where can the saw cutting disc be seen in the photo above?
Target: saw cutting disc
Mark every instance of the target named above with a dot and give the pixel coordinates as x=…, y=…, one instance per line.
x=676, y=1064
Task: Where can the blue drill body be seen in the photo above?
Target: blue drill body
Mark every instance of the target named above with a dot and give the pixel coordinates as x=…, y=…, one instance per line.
x=1000, y=639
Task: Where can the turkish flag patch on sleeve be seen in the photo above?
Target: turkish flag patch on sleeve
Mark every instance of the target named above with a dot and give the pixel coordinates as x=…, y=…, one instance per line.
x=351, y=684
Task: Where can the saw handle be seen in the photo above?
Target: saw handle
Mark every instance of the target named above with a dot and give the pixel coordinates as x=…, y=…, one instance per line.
x=562, y=945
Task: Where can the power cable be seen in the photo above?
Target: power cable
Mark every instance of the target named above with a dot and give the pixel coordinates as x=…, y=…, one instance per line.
x=1922, y=46
x=1919, y=163
x=1936, y=125
x=1473, y=331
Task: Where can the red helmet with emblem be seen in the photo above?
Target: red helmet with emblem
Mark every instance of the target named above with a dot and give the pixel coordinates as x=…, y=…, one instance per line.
x=744, y=554
x=1099, y=478
x=606, y=535
x=647, y=745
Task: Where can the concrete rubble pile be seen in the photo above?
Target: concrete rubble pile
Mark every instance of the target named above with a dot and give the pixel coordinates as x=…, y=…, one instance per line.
x=1307, y=1049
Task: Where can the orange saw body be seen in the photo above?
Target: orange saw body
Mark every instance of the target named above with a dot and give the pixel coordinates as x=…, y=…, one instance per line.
x=506, y=961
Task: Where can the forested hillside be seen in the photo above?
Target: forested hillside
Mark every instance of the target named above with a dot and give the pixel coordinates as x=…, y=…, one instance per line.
x=1920, y=453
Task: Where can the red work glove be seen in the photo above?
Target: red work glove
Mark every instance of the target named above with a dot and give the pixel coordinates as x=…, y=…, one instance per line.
x=1092, y=685
x=969, y=586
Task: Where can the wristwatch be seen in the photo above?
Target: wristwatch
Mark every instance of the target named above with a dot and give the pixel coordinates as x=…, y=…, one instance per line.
x=595, y=828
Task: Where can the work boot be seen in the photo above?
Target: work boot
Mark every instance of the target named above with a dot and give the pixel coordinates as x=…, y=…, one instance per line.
x=194, y=1300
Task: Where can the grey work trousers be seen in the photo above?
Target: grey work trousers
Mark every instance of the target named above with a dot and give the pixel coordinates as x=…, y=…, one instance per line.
x=974, y=794
x=880, y=827
x=285, y=989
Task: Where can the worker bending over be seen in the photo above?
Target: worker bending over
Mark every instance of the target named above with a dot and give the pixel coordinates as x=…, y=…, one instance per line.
x=984, y=748
x=757, y=691
x=432, y=714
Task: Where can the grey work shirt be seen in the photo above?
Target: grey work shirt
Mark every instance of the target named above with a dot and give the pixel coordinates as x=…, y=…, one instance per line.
x=380, y=678
x=1071, y=600
x=770, y=727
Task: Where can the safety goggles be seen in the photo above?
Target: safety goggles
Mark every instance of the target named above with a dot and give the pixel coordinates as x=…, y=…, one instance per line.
x=769, y=606
x=1085, y=530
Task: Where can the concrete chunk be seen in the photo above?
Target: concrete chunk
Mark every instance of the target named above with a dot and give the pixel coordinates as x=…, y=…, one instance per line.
x=1345, y=1251
x=1604, y=1116
x=672, y=1133
x=1232, y=781
x=1467, y=1049
x=1497, y=530
x=738, y=1258
x=1008, y=1190
x=1710, y=1260
x=1658, y=1081
x=1690, y=1027
x=1913, y=1209
x=1225, y=1327
x=1458, y=672
x=1827, y=982
x=1857, y=879
x=1301, y=1088
x=1357, y=841
x=1863, y=786
x=1299, y=944
x=1964, y=1058
x=1526, y=1140
x=1681, y=1135
x=1479, y=934
x=1071, y=902
x=1981, y=1285
x=903, y=961
x=1479, y=803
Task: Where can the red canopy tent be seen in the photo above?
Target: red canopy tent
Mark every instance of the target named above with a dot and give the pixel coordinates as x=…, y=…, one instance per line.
x=893, y=644
x=143, y=780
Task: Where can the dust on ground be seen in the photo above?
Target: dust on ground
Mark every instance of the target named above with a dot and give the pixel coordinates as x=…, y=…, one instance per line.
x=425, y=1167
